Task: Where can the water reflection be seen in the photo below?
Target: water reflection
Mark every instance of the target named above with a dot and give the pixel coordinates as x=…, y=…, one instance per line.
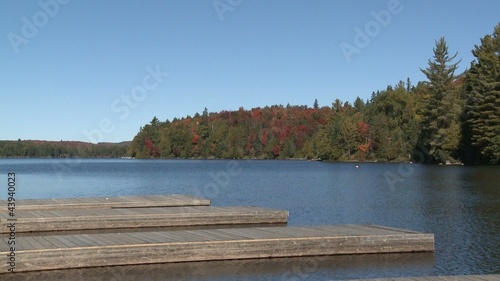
x=306, y=268
x=459, y=204
x=462, y=208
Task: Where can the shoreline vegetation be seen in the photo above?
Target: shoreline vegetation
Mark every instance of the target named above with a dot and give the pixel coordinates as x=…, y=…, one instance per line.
x=451, y=119
x=61, y=149
x=216, y=159
x=357, y=162
x=38, y=149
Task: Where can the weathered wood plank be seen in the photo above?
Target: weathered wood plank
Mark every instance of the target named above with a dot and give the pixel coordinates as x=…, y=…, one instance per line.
x=95, y=219
x=42, y=242
x=26, y=244
x=65, y=251
x=174, y=200
x=93, y=240
x=68, y=241
x=52, y=240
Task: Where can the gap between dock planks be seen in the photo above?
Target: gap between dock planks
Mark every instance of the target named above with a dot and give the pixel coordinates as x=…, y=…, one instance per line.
x=98, y=219
x=94, y=250
x=174, y=200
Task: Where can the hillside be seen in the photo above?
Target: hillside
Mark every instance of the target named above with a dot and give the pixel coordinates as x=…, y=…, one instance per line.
x=385, y=128
x=447, y=119
x=268, y=132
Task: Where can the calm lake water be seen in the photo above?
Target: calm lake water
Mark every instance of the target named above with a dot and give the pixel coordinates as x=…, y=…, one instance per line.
x=459, y=204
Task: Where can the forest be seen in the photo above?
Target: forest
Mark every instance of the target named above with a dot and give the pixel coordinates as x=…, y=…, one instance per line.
x=61, y=149
x=450, y=118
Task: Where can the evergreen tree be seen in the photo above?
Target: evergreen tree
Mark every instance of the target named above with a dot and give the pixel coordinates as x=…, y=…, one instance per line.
x=316, y=105
x=443, y=108
x=482, y=87
x=359, y=105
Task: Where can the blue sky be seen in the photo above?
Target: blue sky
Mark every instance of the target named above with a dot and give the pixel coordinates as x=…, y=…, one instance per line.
x=97, y=70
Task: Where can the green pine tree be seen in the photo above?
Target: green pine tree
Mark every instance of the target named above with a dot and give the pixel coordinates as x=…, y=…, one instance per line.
x=482, y=87
x=316, y=105
x=443, y=108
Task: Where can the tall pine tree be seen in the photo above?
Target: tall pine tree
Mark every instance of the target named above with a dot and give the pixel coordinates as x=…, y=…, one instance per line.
x=482, y=87
x=441, y=124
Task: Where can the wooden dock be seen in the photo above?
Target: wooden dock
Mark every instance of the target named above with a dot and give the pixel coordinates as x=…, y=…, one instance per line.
x=48, y=252
x=176, y=200
x=124, y=231
x=120, y=218
x=490, y=277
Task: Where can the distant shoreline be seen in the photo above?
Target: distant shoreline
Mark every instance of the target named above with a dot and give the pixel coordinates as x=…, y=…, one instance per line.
x=249, y=159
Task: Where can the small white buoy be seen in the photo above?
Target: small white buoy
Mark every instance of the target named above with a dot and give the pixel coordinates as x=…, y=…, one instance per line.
x=357, y=166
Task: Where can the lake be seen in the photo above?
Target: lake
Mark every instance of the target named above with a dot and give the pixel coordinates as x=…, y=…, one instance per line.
x=459, y=204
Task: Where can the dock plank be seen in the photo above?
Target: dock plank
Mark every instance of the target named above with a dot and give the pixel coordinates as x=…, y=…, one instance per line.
x=174, y=200
x=45, y=242
x=25, y=244
x=96, y=219
x=69, y=242
x=108, y=249
x=92, y=240
x=53, y=240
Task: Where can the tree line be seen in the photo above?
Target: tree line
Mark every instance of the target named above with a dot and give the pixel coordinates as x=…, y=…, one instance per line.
x=450, y=118
x=61, y=149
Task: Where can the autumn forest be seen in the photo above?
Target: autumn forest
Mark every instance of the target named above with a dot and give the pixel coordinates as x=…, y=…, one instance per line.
x=451, y=118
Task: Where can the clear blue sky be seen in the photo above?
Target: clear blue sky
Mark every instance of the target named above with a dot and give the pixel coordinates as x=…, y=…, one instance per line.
x=68, y=68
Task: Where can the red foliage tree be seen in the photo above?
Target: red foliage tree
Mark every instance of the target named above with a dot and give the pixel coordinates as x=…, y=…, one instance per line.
x=276, y=151
x=364, y=148
x=196, y=139
x=363, y=128
x=153, y=150
x=256, y=113
x=364, y=131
